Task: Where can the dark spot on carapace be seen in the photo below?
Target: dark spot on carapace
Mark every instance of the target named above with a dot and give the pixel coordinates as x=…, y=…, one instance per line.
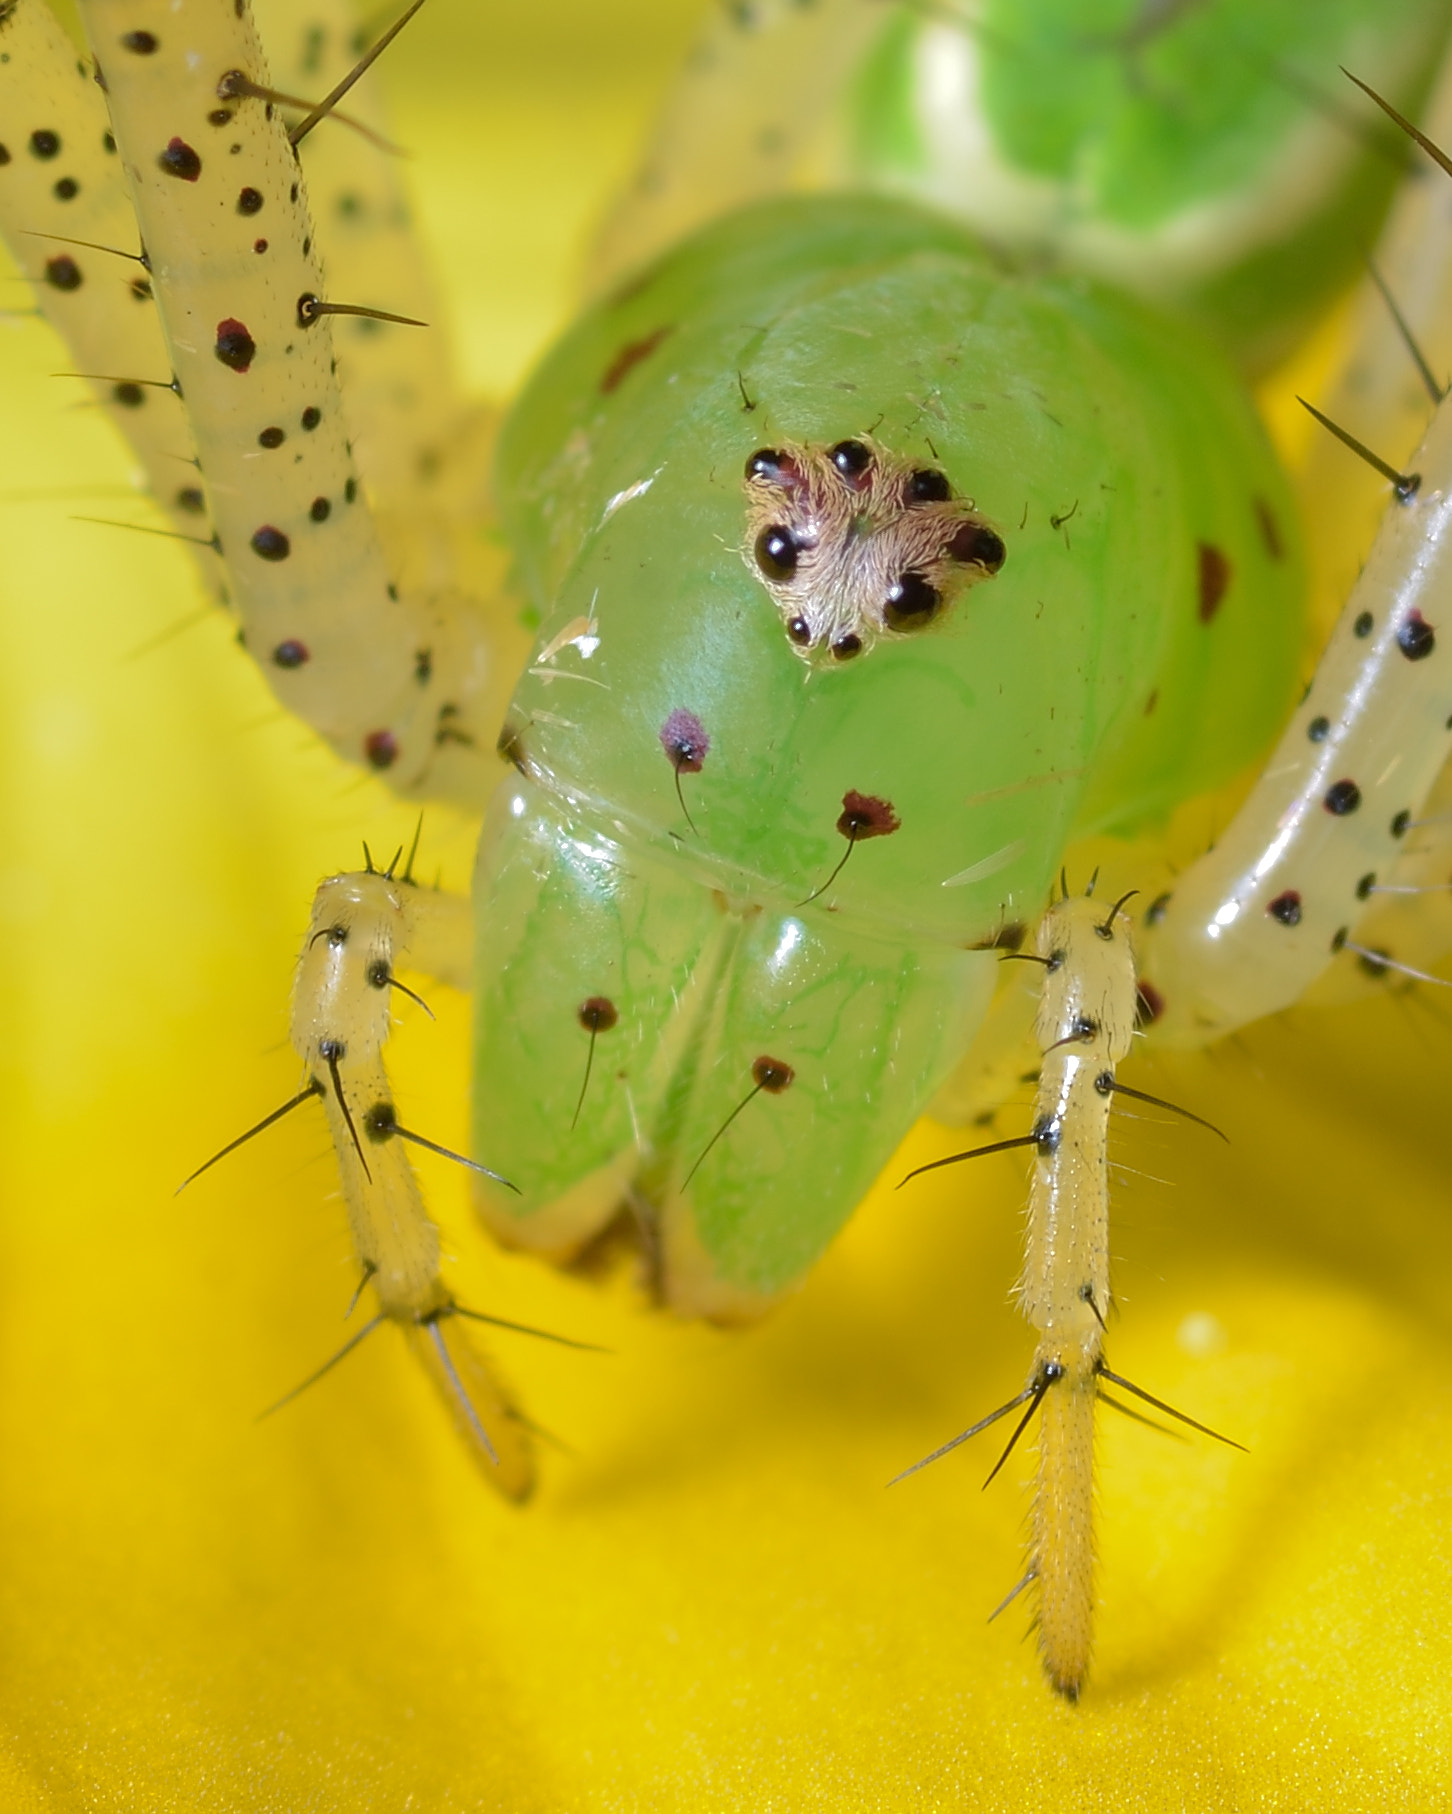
x=271, y=437
x=350, y=490
x=67, y=189
x=1009, y=937
x=1416, y=638
x=190, y=499
x=141, y=289
x=180, y=160
x=1400, y=822
x=1375, y=963
x=290, y=654
x=44, y=144
x=381, y=749
x=1149, y=1004
x=320, y=510
x=1319, y=729
x=1339, y=937
x=141, y=43
x=1361, y=629
x=220, y=116
x=1213, y=578
x=685, y=741
x=270, y=544
x=597, y=1015
x=866, y=816
x=63, y=273
x=1342, y=797
x=249, y=201
x=771, y=1074
x=235, y=348
x=1286, y=908
x=128, y=395
x=423, y=666
x=1365, y=885
x=629, y=356
x=1270, y=529
x=259, y=245
x=311, y=417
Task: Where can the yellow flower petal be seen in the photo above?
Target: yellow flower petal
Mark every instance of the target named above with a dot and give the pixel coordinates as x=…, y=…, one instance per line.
x=713, y=1604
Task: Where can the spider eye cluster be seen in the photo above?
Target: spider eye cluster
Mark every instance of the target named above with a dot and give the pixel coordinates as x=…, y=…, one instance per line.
x=855, y=544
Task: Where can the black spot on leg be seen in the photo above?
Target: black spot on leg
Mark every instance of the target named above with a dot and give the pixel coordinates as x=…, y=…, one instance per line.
x=4, y=156
x=381, y=749
x=311, y=417
x=319, y=510
x=190, y=499
x=44, y=144
x=1361, y=629
x=1342, y=797
x=1213, y=576
x=140, y=43
x=1365, y=885
x=1286, y=908
x=1400, y=822
x=350, y=491
x=67, y=189
x=128, y=395
x=271, y=437
x=141, y=289
x=1319, y=729
x=423, y=666
x=1416, y=638
x=772, y=1074
x=270, y=544
x=180, y=160
x=290, y=654
x=249, y=201
x=63, y=273
x=235, y=348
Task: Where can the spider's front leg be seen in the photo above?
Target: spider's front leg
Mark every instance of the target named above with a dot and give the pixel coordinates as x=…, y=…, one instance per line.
x=363, y=927
x=408, y=680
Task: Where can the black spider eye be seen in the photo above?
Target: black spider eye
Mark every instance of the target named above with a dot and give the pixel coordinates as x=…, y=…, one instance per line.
x=851, y=459
x=773, y=466
x=926, y=486
x=847, y=646
x=799, y=630
x=776, y=552
x=911, y=602
x=976, y=546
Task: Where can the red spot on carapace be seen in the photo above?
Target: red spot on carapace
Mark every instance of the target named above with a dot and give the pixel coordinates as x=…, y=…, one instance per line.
x=1214, y=577
x=629, y=356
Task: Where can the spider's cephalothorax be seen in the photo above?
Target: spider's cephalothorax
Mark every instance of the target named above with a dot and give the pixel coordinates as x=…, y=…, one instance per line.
x=854, y=543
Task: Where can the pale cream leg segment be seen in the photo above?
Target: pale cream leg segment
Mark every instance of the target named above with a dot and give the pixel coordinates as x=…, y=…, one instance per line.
x=363, y=927
x=61, y=181
x=408, y=683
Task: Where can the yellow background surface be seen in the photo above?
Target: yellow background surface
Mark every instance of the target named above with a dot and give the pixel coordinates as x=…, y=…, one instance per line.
x=713, y=1603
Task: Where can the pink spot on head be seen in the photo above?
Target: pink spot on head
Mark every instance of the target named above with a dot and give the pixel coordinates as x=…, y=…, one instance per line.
x=683, y=738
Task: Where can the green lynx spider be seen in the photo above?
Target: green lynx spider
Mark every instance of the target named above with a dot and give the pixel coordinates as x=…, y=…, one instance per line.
x=817, y=515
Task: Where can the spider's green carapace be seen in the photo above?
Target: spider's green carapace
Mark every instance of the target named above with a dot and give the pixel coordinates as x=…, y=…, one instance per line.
x=695, y=762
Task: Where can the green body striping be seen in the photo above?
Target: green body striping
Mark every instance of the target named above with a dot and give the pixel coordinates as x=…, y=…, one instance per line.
x=1170, y=147
x=1136, y=648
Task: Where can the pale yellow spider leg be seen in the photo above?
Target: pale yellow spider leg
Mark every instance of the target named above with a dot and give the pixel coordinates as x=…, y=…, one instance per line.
x=363, y=928
x=410, y=683
x=62, y=182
